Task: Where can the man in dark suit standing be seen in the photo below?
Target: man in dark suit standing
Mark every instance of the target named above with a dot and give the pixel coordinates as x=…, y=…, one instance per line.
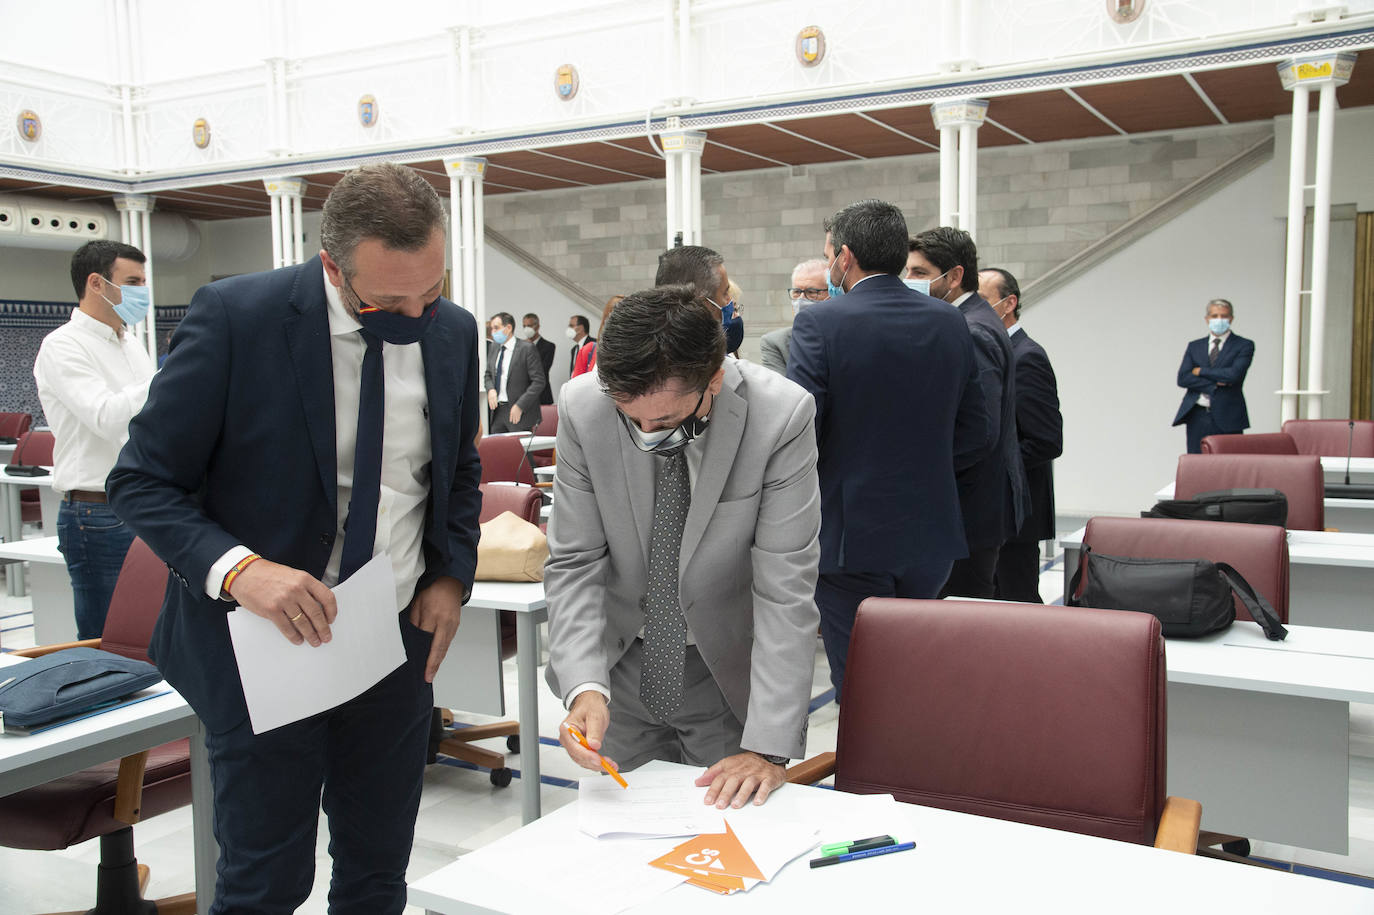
x=992, y=492
x=514, y=379
x=890, y=522
x=530, y=334
x=306, y=420
x=1212, y=373
x=580, y=333
x=1040, y=432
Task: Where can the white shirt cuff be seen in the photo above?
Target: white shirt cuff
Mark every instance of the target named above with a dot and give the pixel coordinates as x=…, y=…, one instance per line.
x=582, y=688
x=214, y=581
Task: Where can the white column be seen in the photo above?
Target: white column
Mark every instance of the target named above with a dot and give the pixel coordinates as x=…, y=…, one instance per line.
x=298, y=228
x=135, y=220
x=959, y=120
x=1300, y=75
x=149, y=323
x=479, y=209
x=466, y=215
x=285, y=195
x=1292, y=285
x=682, y=169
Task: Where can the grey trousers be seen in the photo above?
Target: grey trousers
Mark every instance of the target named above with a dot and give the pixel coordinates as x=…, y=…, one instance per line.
x=704, y=731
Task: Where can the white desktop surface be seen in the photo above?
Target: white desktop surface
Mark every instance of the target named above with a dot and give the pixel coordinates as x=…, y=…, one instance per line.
x=26, y=761
x=961, y=863
x=11, y=518
x=1361, y=469
x=49, y=586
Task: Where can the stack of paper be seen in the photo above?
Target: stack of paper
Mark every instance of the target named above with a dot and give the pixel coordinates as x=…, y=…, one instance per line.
x=739, y=858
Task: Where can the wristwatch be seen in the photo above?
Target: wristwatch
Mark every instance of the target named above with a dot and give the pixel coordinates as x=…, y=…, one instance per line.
x=776, y=760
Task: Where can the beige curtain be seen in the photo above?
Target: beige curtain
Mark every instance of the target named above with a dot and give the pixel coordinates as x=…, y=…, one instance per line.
x=1362, y=331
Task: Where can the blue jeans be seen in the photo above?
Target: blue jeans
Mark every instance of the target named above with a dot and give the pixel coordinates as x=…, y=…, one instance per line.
x=94, y=542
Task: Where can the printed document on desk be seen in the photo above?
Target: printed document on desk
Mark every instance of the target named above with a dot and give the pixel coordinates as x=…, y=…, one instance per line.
x=655, y=805
x=283, y=683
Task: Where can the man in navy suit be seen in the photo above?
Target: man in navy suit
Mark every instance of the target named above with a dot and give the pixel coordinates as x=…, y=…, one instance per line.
x=992, y=492
x=898, y=411
x=1040, y=433
x=1211, y=375
x=306, y=420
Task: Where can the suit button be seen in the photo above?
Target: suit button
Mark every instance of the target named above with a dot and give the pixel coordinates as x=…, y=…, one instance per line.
x=620, y=644
x=326, y=539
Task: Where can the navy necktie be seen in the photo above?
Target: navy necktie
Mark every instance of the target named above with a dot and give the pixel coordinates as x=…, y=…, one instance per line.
x=500, y=360
x=360, y=530
x=1216, y=351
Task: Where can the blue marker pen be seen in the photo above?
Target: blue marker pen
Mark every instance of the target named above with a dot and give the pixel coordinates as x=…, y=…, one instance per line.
x=866, y=853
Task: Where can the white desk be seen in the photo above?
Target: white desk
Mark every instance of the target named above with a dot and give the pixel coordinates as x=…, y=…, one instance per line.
x=950, y=870
x=50, y=588
x=11, y=518
x=1361, y=469
x=6, y=451
x=477, y=646
x=547, y=472
x=1330, y=577
x=1347, y=515
x=38, y=758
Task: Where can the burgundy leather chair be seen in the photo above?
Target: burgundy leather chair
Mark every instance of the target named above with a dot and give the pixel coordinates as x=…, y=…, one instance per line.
x=503, y=459
x=35, y=448
x=106, y=800
x=1298, y=477
x=1053, y=716
x=1332, y=437
x=524, y=502
x=13, y=425
x=547, y=425
x=1259, y=552
x=1253, y=443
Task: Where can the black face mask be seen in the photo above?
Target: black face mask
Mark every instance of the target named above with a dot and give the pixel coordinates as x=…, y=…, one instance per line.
x=676, y=439
x=392, y=327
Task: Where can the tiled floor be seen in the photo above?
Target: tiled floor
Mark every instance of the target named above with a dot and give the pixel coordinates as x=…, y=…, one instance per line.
x=461, y=811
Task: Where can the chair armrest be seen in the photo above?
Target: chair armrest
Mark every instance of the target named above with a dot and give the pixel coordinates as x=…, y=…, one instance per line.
x=38, y=651
x=544, y=485
x=810, y=771
x=129, y=788
x=1178, y=827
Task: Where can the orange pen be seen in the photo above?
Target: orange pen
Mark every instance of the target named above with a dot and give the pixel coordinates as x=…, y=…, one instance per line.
x=577, y=735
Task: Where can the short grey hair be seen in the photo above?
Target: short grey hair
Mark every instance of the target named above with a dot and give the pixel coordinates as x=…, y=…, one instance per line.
x=1230, y=309
x=389, y=202
x=806, y=266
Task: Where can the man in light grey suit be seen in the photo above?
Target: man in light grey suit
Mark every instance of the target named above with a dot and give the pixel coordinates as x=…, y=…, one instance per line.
x=514, y=379
x=683, y=552
x=808, y=285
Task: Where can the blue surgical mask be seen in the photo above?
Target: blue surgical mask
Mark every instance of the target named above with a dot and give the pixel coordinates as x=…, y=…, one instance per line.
x=1219, y=326
x=921, y=286
x=835, y=291
x=667, y=442
x=133, y=304
x=499, y=337
x=390, y=327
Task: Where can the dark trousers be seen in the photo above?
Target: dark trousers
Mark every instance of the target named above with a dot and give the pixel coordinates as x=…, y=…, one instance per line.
x=498, y=420
x=366, y=758
x=1200, y=425
x=1018, y=572
x=838, y=595
x=975, y=575
x=94, y=542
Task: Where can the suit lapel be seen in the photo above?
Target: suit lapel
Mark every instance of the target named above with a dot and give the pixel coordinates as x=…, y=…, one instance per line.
x=437, y=347
x=728, y=414
x=639, y=483
x=307, y=336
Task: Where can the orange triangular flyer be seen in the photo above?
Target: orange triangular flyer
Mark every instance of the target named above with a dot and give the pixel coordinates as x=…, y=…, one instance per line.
x=711, y=856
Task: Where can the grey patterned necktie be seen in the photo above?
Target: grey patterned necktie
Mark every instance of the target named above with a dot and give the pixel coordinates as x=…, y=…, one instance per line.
x=1216, y=351
x=665, y=628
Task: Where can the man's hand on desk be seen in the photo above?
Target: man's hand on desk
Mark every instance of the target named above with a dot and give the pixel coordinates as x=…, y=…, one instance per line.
x=298, y=604
x=438, y=609
x=735, y=778
x=590, y=715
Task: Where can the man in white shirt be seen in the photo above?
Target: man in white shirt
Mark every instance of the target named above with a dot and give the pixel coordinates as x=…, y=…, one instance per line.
x=92, y=378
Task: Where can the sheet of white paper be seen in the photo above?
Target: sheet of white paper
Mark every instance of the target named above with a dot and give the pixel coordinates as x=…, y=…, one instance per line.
x=284, y=683
x=771, y=844
x=655, y=804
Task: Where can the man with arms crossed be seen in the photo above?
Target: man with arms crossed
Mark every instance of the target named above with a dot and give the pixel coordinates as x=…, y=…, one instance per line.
x=682, y=552
x=306, y=420
x=92, y=378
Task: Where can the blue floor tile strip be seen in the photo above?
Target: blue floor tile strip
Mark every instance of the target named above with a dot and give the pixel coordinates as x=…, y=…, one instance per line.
x=1318, y=872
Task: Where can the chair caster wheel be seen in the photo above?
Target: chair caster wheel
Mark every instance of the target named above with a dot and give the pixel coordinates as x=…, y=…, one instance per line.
x=501, y=777
x=513, y=743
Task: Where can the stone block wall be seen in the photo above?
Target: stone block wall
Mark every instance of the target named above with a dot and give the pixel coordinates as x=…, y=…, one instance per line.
x=1038, y=205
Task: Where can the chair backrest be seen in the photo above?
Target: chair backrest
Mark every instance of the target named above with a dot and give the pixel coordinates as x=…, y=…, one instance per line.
x=1298, y=477
x=524, y=501
x=35, y=447
x=1053, y=716
x=548, y=420
x=135, y=604
x=1254, y=443
x=503, y=459
x=1332, y=437
x=13, y=425
x=1259, y=552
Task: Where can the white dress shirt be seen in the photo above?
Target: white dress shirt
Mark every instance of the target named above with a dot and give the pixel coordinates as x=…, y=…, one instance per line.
x=501, y=394
x=1206, y=399
x=405, y=453
x=91, y=382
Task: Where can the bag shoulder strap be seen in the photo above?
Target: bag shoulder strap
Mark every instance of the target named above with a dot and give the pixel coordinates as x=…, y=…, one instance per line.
x=1262, y=611
x=1069, y=601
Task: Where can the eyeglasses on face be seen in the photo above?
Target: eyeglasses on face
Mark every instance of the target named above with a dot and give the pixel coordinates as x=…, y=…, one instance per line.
x=814, y=295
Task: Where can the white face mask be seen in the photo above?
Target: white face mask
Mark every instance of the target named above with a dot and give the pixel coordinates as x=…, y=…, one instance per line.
x=571, y=332
x=526, y=333
x=921, y=286
x=797, y=304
